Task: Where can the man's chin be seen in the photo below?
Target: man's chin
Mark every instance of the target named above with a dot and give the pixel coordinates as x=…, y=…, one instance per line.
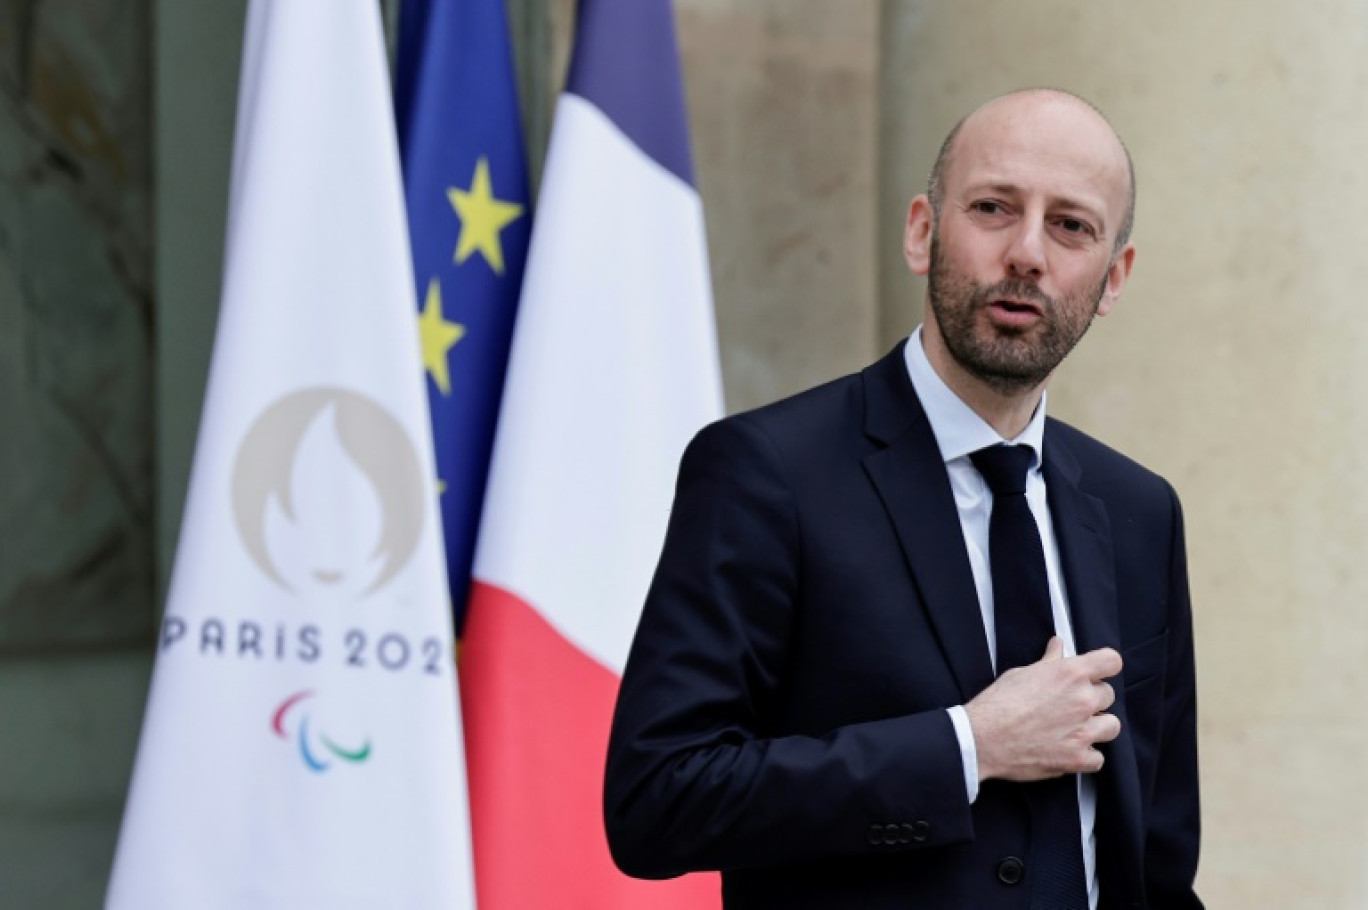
x=1001, y=371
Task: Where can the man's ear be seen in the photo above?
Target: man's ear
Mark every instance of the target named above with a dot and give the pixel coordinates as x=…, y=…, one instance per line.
x=921, y=224
x=1117, y=274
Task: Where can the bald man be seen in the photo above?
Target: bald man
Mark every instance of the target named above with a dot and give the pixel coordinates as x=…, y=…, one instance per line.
x=911, y=643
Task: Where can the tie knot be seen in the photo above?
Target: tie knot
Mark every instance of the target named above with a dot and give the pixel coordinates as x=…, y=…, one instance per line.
x=1004, y=467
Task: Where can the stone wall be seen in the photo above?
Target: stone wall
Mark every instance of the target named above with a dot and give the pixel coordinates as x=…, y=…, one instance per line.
x=1233, y=365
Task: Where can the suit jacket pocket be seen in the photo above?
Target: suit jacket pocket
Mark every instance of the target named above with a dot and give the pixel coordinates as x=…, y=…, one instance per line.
x=1142, y=669
x=1145, y=661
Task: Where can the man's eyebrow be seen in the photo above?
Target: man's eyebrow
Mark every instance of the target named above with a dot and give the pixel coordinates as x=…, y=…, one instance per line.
x=1003, y=188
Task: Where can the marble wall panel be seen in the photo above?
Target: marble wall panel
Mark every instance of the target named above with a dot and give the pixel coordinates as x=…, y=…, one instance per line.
x=75, y=325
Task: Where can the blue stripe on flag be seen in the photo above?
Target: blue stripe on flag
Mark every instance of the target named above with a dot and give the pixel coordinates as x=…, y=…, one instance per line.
x=626, y=63
x=465, y=182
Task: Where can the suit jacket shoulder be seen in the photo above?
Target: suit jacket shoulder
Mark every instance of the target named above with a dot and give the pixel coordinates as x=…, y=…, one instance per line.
x=830, y=411
x=1104, y=468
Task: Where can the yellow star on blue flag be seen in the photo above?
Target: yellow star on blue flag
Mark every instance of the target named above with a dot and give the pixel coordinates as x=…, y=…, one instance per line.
x=482, y=218
x=438, y=337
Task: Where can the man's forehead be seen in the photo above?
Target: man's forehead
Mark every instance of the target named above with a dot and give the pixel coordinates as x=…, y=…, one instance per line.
x=1048, y=136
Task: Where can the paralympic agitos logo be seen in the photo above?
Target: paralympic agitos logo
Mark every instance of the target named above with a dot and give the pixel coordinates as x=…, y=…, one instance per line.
x=318, y=751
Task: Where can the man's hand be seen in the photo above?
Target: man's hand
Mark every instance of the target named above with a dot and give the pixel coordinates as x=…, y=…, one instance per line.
x=1044, y=720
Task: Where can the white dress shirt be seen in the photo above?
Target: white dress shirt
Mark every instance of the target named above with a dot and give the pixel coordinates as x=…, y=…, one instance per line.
x=959, y=432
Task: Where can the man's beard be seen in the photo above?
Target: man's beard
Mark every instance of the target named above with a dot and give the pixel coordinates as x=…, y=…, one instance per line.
x=1007, y=360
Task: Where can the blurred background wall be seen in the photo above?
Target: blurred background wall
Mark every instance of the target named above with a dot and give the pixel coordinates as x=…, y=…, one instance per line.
x=1234, y=365
x=78, y=484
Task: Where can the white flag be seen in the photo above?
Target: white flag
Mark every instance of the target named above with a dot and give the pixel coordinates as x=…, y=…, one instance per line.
x=301, y=746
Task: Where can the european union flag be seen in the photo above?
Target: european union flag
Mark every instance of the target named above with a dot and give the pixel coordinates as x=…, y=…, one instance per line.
x=465, y=179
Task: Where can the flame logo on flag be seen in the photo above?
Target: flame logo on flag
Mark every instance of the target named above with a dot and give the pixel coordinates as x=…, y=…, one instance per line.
x=328, y=494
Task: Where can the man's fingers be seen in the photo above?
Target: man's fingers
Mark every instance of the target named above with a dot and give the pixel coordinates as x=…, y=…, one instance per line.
x=1106, y=696
x=1102, y=728
x=1100, y=664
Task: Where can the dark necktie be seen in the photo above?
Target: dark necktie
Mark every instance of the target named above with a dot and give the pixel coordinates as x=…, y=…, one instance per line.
x=1025, y=622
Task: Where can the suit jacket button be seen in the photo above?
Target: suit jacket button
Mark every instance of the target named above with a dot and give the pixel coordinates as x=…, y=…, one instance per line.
x=919, y=831
x=876, y=834
x=1011, y=870
x=890, y=835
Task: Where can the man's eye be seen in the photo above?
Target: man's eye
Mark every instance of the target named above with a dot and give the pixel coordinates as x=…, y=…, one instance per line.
x=1074, y=226
x=986, y=207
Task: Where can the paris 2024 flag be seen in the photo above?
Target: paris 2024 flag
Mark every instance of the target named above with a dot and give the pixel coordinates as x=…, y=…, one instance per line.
x=301, y=745
x=613, y=368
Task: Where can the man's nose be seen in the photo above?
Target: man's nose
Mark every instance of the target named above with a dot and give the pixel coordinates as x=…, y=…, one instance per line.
x=1026, y=254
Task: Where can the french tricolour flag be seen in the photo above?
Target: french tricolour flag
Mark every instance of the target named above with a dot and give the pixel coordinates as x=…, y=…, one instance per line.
x=613, y=368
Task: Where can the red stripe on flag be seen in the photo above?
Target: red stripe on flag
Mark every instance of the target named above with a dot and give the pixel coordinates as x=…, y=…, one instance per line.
x=537, y=712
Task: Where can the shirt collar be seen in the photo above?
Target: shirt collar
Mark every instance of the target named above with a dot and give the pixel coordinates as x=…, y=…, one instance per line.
x=958, y=430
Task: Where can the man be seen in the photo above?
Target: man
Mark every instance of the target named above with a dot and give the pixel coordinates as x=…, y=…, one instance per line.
x=911, y=643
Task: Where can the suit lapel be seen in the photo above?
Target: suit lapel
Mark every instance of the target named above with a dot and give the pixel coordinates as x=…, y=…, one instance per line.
x=911, y=480
x=1083, y=531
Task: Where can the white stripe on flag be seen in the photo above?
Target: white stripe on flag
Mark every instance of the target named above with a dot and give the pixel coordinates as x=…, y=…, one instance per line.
x=613, y=369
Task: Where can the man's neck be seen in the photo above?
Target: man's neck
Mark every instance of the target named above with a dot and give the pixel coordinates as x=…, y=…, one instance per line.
x=1008, y=413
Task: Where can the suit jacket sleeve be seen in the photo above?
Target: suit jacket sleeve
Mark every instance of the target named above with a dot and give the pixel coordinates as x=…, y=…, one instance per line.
x=698, y=777
x=1174, y=833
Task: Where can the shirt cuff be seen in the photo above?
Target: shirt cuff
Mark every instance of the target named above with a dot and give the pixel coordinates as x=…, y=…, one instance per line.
x=968, y=751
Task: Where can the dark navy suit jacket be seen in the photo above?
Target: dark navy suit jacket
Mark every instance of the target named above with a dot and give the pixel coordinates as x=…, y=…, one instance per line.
x=782, y=713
